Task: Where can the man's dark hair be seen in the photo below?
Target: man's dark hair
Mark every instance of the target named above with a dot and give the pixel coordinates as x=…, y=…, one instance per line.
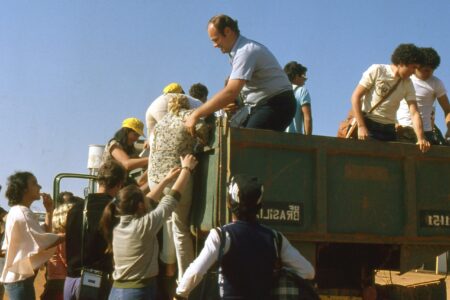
x=221, y=22
x=407, y=54
x=430, y=58
x=198, y=91
x=60, y=198
x=293, y=69
x=249, y=192
x=17, y=186
x=111, y=173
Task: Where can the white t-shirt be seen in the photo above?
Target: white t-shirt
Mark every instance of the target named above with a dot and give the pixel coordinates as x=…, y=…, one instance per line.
x=426, y=93
x=25, y=243
x=379, y=80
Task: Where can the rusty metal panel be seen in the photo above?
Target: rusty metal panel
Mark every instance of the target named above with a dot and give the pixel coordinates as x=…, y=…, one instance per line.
x=365, y=195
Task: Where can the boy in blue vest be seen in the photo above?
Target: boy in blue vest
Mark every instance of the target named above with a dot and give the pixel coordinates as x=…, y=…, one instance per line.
x=249, y=252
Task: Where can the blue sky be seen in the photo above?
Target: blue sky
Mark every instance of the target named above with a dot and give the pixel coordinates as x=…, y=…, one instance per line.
x=71, y=71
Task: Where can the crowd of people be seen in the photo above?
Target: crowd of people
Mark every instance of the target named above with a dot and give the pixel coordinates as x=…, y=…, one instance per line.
x=112, y=235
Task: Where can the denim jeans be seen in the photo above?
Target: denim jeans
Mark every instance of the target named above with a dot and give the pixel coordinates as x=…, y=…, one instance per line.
x=145, y=293
x=71, y=288
x=21, y=290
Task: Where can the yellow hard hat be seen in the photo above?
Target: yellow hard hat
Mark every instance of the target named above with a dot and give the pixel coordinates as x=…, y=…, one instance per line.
x=173, y=88
x=135, y=124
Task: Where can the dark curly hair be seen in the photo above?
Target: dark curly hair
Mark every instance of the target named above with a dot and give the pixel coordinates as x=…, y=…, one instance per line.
x=17, y=186
x=60, y=198
x=111, y=173
x=293, y=69
x=430, y=58
x=407, y=54
x=221, y=22
x=121, y=136
x=198, y=91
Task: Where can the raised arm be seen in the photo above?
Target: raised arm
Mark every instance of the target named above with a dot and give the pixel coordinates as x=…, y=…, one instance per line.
x=226, y=96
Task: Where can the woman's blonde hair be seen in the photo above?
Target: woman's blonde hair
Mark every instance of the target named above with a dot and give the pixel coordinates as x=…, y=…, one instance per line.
x=176, y=103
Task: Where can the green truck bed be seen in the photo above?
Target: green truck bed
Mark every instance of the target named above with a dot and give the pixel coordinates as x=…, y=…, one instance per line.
x=328, y=192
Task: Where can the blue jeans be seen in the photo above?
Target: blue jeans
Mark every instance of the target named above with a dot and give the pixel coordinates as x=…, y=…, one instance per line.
x=145, y=293
x=71, y=288
x=21, y=290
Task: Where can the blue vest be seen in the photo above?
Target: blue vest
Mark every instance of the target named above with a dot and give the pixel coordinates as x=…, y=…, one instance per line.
x=247, y=267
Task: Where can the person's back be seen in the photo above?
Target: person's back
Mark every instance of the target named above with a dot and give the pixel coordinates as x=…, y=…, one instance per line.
x=247, y=267
x=94, y=243
x=249, y=250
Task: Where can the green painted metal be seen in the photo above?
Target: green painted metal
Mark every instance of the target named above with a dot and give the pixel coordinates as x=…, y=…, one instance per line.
x=374, y=190
x=343, y=191
x=61, y=176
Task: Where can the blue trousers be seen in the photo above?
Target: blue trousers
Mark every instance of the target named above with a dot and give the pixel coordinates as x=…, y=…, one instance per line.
x=145, y=293
x=21, y=290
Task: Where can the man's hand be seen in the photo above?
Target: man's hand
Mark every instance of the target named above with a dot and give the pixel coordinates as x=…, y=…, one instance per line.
x=48, y=202
x=190, y=122
x=363, y=133
x=424, y=145
x=231, y=108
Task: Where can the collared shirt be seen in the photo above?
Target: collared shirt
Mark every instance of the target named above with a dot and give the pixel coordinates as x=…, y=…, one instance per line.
x=290, y=258
x=26, y=245
x=254, y=63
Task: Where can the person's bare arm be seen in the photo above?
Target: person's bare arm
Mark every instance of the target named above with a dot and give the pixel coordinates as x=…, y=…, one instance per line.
x=357, y=95
x=226, y=96
x=307, y=118
x=444, y=103
x=422, y=142
x=129, y=163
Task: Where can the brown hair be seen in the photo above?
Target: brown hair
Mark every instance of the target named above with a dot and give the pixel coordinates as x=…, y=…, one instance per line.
x=111, y=173
x=126, y=203
x=17, y=186
x=221, y=22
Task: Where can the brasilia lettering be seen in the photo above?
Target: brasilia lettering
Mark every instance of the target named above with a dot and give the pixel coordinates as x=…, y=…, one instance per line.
x=280, y=214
